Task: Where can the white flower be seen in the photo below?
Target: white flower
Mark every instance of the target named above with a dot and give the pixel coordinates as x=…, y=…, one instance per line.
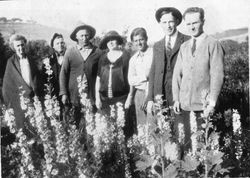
x=171, y=151
x=236, y=122
x=181, y=133
x=193, y=122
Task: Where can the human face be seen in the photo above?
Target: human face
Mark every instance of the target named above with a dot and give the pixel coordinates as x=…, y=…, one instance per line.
x=112, y=44
x=83, y=37
x=19, y=47
x=194, y=24
x=140, y=43
x=168, y=24
x=59, y=45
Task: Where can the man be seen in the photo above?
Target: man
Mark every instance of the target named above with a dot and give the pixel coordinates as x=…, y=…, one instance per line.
x=21, y=71
x=78, y=60
x=164, y=56
x=55, y=61
x=199, y=69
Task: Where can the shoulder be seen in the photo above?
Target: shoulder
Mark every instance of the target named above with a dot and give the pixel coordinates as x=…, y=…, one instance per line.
x=159, y=43
x=126, y=54
x=70, y=50
x=212, y=41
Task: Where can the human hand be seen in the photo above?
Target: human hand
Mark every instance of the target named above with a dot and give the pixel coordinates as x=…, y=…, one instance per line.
x=150, y=107
x=176, y=107
x=65, y=99
x=98, y=103
x=128, y=102
x=208, y=111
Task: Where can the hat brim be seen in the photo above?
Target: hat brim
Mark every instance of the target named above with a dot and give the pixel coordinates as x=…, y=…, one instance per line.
x=176, y=13
x=82, y=27
x=105, y=40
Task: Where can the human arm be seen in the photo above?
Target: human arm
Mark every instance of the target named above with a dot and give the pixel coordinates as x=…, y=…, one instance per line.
x=64, y=79
x=176, y=81
x=98, y=101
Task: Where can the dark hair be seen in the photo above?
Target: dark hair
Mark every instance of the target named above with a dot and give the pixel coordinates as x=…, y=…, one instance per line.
x=195, y=10
x=56, y=35
x=139, y=31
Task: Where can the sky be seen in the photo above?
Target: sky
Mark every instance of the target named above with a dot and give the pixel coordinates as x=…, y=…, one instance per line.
x=119, y=15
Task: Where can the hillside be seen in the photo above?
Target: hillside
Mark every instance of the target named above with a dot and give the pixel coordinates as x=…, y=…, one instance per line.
x=37, y=31
x=32, y=31
x=238, y=35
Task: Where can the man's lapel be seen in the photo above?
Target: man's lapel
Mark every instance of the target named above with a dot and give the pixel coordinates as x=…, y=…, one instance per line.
x=178, y=42
x=161, y=52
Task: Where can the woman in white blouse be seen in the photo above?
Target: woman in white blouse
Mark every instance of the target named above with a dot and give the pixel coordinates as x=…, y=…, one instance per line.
x=139, y=67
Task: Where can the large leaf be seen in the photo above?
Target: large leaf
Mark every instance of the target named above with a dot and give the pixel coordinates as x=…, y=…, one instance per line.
x=171, y=171
x=190, y=163
x=144, y=162
x=216, y=158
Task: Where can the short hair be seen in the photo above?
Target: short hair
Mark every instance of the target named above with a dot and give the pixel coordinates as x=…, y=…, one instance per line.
x=16, y=37
x=139, y=31
x=56, y=35
x=195, y=10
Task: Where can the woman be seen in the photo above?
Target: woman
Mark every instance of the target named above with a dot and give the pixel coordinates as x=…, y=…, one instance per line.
x=112, y=83
x=139, y=67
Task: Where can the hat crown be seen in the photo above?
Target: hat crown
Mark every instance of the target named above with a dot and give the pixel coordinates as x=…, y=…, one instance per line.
x=111, y=33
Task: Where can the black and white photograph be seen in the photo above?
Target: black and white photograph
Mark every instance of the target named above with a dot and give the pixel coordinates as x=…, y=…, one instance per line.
x=124, y=89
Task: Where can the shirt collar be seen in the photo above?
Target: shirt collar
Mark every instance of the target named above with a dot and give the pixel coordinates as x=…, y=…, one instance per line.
x=174, y=36
x=86, y=47
x=200, y=37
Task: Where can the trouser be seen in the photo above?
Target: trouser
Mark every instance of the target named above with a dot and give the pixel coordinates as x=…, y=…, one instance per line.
x=184, y=118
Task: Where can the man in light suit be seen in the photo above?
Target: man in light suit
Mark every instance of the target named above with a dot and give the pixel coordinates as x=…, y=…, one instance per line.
x=198, y=73
x=164, y=56
x=21, y=71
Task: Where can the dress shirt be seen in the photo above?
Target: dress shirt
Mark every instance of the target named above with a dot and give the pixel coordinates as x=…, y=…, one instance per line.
x=25, y=69
x=85, y=52
x=172, y=39
x=139, y=67
x=59, y=59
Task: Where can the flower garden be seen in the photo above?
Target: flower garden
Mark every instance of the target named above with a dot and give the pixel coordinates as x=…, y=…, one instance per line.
x=99, y=147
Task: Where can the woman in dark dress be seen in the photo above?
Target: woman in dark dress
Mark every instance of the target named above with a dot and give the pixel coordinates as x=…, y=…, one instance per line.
x=112, y=84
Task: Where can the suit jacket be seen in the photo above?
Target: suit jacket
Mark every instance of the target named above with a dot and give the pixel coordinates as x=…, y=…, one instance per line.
x=56, y=68
x=74, y=66
x=12, y=82
x=160, y=76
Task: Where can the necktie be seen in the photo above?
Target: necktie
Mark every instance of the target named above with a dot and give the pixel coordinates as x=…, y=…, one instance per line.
x=168, y=47
x=110, y=92
x=193, y=46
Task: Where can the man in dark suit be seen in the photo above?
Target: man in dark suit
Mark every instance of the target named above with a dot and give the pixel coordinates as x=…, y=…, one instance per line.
x=21, y=71
x=164, y=56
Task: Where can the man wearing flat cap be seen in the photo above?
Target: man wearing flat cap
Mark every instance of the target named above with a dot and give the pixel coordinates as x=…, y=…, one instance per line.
x=164, y=56
x=81, y=59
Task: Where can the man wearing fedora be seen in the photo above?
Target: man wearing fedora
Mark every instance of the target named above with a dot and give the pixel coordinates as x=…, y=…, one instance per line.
x=78, y=60
x=164, y=56
x=198, y=74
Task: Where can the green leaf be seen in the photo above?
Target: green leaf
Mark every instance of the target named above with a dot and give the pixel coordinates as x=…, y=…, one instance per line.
x=190, y=164
x=171, y=171
x=144, y=162
x=216, y=158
